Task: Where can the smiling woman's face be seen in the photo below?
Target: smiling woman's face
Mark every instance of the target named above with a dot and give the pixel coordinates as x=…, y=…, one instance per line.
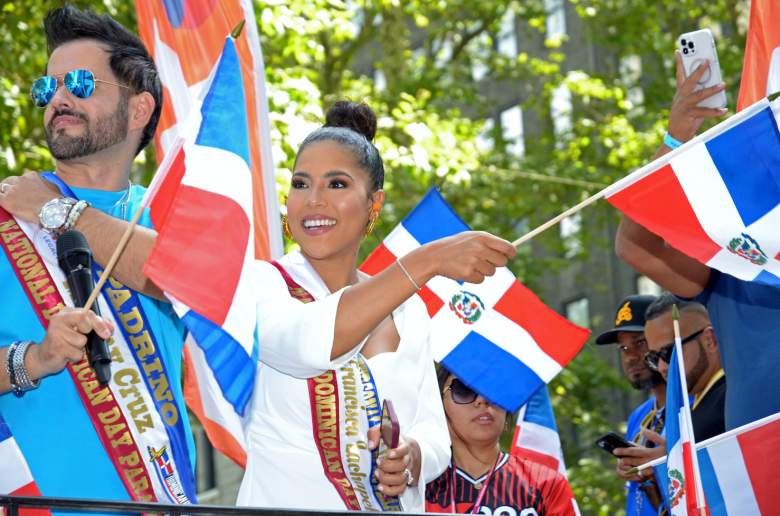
x=478, y=422
x=330, y=201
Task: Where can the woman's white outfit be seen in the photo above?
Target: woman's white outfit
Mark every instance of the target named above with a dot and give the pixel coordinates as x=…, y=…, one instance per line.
x=284, y=465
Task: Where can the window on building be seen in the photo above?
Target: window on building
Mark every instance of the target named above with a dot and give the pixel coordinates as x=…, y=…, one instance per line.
x=507, y=37
x=512, y=130
x=570, y=228
x=646, y=286
x=578, y=312
x=556, y=18
x=380, y=81
x=485, y=140
x=631, y=73
x=479, y=68
x=560, y=110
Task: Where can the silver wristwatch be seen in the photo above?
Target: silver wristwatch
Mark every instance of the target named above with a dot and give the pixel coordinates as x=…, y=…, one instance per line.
x=54, y=214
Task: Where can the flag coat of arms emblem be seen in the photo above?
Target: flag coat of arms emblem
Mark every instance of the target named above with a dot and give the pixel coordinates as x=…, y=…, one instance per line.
x=497, y=336
x=717, y=198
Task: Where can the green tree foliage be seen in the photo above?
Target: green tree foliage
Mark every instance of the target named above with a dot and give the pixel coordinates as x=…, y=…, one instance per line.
x=432, y=110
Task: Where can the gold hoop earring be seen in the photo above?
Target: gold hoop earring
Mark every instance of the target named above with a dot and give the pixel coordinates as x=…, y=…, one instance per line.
x=372, y=222
x=286, y=227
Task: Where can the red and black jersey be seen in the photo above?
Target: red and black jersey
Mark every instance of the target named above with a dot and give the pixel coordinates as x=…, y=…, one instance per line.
x=516, y=487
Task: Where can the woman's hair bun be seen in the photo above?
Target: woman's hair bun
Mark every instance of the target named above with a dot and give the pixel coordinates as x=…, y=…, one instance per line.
x=352, y=115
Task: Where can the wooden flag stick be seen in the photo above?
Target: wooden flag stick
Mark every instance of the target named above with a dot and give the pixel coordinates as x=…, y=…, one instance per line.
x=114, y=257
x=571, y=211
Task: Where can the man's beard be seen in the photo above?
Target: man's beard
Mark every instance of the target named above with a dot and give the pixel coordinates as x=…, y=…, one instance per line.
x=108, y=130
x=645, y=384
x=701, y=365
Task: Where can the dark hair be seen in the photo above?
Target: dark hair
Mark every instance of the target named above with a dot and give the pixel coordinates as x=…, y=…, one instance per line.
x=442, y=373
x=352, y=125
x=664, y=302
x=130, y=61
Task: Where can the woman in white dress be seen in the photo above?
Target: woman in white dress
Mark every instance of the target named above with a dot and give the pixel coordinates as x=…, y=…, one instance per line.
x=347, y=341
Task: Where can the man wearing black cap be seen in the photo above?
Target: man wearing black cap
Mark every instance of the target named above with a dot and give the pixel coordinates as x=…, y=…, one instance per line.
x=642, y=495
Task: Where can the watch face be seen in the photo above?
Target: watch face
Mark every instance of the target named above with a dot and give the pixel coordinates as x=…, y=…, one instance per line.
x=54, y=213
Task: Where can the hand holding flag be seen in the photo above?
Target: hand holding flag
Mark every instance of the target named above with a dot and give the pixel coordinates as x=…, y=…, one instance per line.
x=497, y=336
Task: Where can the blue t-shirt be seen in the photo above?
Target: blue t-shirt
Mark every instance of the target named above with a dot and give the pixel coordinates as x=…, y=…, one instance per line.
x=637, y=503
x=746, y=319
x=50, y=424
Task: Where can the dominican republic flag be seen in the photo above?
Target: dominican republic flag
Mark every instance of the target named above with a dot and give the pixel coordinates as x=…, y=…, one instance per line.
x=16, y=478
x=681, y=465
x=761, y=65
x=536, y=434
x=201, y=205
x=716, y=198
x=740, y=472
x=185, y=39
x=497, y=337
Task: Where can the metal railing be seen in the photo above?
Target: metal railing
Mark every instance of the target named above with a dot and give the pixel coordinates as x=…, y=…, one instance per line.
x=13, y=504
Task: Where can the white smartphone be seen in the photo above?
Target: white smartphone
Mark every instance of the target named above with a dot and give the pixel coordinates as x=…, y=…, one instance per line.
x=696, y=48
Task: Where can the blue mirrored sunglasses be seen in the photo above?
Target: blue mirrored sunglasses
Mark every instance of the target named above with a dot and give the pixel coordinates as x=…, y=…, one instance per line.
x=79, y=82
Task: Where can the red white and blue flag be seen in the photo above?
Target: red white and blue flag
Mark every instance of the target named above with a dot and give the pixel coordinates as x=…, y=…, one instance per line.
x=497, y=337
x=761, y=65
x=185, y=38
x=717, y=198
x=201, y=204
x=740, y=473
x=536, y=433
x=16, y=478
x=681, y=464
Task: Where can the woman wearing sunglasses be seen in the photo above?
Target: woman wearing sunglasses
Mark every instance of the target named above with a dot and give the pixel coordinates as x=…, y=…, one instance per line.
x=316, y=411
x=482, y=479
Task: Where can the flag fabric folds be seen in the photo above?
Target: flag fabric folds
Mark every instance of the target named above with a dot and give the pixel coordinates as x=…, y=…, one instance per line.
x=717, y=198
x=203, y=256
x=740, y=474
x=17, y=479
x=185, y=39
x=761, y=65
x=681, y=469
x=536, y=434
x=497, y=337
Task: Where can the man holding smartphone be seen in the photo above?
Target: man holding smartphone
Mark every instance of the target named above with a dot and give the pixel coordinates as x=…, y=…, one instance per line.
x=643, y=497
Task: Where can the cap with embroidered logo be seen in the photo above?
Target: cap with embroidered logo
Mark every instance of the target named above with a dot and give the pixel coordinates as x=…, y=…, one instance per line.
x=630, y=316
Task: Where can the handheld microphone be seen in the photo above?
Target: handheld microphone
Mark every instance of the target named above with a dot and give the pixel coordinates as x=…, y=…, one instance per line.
x=75, y=259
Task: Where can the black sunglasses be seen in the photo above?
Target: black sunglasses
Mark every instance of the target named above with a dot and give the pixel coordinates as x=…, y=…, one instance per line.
x=665, y=353
x=461, y=393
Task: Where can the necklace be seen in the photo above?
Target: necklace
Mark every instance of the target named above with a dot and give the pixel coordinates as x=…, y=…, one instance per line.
x=124, y=200
x=482, y=488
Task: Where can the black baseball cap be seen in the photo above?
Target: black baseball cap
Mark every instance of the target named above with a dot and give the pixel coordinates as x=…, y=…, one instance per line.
x=630, y=316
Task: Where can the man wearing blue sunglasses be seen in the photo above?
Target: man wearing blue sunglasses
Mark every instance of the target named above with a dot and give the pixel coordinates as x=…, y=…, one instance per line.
x=101, y=100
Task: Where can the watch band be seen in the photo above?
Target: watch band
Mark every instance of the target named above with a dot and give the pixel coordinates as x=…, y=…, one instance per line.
x=73, y=215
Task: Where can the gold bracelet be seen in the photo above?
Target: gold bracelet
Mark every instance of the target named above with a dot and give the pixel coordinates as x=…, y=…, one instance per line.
x=401, y=265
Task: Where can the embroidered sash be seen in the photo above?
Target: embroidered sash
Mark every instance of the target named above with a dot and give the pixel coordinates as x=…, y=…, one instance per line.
x=344, y=406
x=135, y=416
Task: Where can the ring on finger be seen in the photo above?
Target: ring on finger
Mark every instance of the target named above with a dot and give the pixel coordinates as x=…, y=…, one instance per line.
x=3, y=187
x=408, y=476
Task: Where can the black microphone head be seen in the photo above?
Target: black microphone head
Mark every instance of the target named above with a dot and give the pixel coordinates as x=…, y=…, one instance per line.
x=73, y=251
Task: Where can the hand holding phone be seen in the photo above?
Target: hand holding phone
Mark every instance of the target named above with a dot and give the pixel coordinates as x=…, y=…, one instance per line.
x=389, y=429
x=697, y=48
x=609, y=441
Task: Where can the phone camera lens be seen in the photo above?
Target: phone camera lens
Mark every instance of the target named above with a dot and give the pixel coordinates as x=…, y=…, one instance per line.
x=690, y=44
x=685, y=51
x=682, y=42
